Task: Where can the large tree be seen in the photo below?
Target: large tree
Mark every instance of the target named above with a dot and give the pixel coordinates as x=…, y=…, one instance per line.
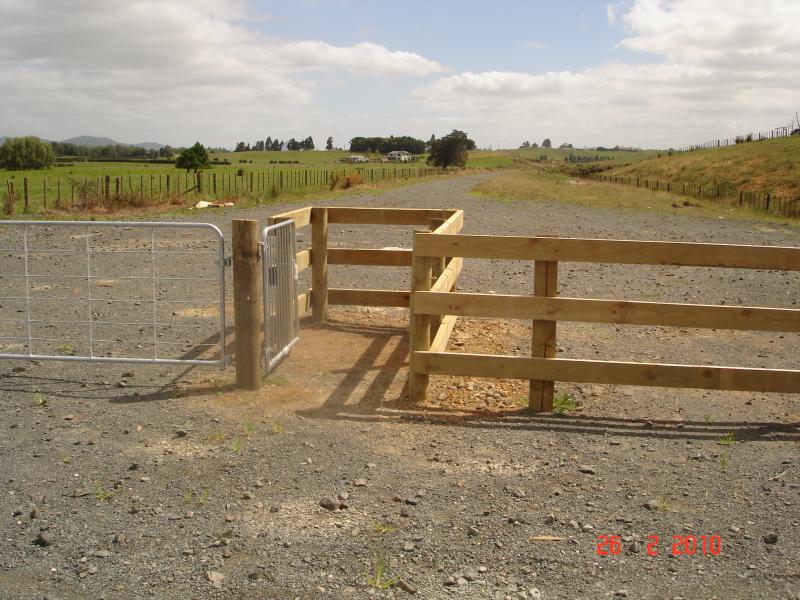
x=547, y=143
x=329, y=143
x=450, y=151
x=194, y=158
x=26, y=153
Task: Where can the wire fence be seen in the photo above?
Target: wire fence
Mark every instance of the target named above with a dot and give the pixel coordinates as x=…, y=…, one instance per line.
x=724, y=192
x=755, y=136
x=43, y=193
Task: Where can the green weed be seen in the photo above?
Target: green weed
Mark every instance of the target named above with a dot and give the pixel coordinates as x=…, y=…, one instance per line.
x=199, y=500
x=276, y=379
x=103, y=495
x=238, y=444
x=380, y=578
x=727, y=440
x=563, y=404
x=276, y=428
x=382, y=528
x=39, y=400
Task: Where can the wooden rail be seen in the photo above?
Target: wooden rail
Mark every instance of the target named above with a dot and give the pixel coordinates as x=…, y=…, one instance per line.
x=431, y=299
x=320, y=255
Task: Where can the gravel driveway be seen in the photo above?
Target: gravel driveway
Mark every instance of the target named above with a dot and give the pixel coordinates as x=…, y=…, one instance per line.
x=157, y=482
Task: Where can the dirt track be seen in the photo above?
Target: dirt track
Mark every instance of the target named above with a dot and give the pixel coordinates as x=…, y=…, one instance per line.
x=198, y=478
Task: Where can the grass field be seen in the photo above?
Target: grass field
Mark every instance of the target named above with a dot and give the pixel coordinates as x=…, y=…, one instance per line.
x=768, y=166
x=547, y=184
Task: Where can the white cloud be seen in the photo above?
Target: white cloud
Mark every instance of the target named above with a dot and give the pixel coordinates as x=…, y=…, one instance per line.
x=166, y=68
x=711, y=73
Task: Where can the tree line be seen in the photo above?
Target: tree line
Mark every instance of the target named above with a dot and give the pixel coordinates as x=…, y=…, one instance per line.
x=110, y=151
x=275, y=145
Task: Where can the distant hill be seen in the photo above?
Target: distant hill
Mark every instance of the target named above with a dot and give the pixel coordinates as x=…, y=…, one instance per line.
x=88, y=140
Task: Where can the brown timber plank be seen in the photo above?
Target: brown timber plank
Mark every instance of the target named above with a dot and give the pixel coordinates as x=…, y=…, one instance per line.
x=341, y=296
x=385, y=216
x=584, y=310
x=609, y=372
x=610, y=251
x=369, y=257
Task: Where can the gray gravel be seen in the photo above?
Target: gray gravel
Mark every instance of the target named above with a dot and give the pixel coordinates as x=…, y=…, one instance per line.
x=155, y=491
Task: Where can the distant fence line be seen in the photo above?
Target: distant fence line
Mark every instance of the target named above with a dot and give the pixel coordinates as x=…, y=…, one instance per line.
x=140, y=190
x=761, y=201
x=756, y=136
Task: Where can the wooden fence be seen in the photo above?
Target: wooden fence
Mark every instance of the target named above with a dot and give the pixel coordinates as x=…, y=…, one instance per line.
x=761, y=201
x=431, y=298
x=319, y=255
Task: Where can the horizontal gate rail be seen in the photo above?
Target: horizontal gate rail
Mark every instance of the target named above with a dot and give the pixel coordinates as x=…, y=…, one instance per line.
x=88, y=252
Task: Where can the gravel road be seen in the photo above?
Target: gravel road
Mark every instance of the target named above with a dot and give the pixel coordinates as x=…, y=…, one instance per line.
x=145, y=481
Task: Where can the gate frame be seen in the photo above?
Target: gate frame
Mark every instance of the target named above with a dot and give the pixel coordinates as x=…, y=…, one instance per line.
x=152, y=225
x=283, y=257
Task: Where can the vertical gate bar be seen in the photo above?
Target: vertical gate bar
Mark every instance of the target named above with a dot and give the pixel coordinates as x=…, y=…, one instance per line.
x=27, y=290
x=293, y=258
x=153, y=276
x=89, y=291
x=222, y=308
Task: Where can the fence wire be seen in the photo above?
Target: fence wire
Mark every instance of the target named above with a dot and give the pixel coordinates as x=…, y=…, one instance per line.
x=112, y=291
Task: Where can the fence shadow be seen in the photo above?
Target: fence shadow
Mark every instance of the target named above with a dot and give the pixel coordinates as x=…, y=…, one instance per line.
x=364, y=395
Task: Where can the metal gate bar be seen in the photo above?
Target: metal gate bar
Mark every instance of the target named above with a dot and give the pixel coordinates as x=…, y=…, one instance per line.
x=281, y=317
x=88, y=251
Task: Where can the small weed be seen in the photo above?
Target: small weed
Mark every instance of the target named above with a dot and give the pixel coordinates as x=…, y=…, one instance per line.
x=380, y=578
x=277, y=428
x=39, y=400
x=103, y=495
x=708, y=418
x=65, y=348
x=663, y=503
x=563, y=404
x=238, y=444
x=276, y=379
x=382, y=528
x=249, y=429
x=65, y=458
x=218, y=437
x=723, y=462
x=197, y=499
x=727, y=440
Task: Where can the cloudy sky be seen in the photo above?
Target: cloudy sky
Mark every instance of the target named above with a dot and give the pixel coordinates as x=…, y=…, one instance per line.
x=652, y=73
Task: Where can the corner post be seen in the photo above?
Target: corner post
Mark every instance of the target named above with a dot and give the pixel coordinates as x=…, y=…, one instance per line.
x=543, y=339
x=319, y=264
x=420, y=325
x=246, y=304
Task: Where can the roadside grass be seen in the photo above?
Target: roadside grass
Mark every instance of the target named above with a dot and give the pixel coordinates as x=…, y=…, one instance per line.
x=540, y=184
x=755, y=166
x=276, y=379
x=727, y=440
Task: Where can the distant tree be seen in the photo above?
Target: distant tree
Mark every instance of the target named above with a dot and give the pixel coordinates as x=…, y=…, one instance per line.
x=268, y=143
x=259, y=146
x=240, y=147
x=307, y=144
x=547, y=143
x=194, y=158
x=565, y=145
x=525, y=144
x=293, y=144
x=276, y=145
x=329, y=143
x=430, y=143
x=166, y=152
x=534, y=145
x=26, y=153
x=450, y=151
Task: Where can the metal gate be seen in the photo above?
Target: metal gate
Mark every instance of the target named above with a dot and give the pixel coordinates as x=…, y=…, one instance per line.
x=112, y=291
x=281, y=317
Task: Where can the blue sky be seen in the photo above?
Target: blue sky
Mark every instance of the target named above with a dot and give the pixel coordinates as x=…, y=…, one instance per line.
x=648, y=73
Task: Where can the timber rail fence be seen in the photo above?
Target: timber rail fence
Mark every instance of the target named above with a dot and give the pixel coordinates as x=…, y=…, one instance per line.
x=40, y=194
x=317, y=298
x=431, y=299
x=760, y=201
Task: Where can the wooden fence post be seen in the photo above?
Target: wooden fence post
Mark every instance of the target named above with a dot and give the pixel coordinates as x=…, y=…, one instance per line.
x=246, y=305
x=420, y=327
x=25, y=195
x=437, y=268
x=543, y=339
x=319, y=263
x=167, y=183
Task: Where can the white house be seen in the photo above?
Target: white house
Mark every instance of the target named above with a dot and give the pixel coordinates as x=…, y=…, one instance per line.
x=398, y=156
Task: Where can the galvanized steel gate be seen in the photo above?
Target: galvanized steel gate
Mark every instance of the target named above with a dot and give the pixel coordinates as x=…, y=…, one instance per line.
x=281, y=317
x=110, y=291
